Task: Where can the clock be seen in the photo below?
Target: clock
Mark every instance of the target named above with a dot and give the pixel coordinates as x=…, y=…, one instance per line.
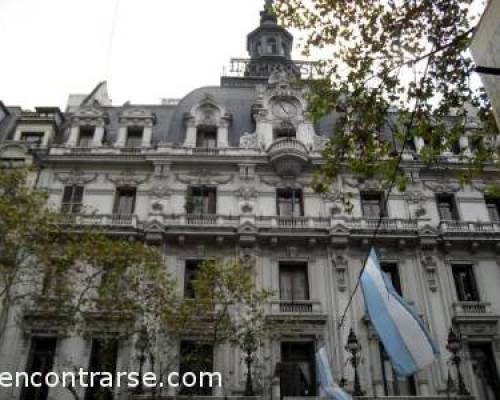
x=284, y=109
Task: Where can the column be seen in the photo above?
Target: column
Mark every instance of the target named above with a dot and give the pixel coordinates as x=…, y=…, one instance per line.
x=121, y=140
x=74, y=133
x=222, y=134
x=98, y=136
x=147, y=135
x=191, y=133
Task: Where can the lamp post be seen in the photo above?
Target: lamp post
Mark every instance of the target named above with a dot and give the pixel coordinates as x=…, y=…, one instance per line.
x=141, y=346
x=454, y=345
x=354, y=348
x=249, y=346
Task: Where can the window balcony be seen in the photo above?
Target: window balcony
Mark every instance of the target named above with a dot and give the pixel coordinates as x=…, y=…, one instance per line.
x=111, y=220
x=288, y=156
x=295, y=307
x=465, y=227
x=194, y=220
x=293, y=223
x=475, y=318
x=386, y=225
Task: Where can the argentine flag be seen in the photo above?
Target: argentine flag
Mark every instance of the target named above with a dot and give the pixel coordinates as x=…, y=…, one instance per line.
x=331, y=389
x=400, y=329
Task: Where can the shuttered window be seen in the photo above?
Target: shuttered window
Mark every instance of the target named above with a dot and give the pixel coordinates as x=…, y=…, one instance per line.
x=447, y=207
x=372, y=205
x=465, y=283
x=202, y=200
x=289, y=203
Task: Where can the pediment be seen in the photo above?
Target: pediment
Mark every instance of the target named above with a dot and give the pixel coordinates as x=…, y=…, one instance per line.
x=89, y=112
x=136, y=113
x=247, y=229
x=339, y=229
x=13, y=150
x=428, y=230
x=154, y=226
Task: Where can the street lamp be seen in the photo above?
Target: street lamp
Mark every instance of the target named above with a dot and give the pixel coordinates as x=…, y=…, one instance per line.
x=454, y=345
x=249, y=346
x=141, y=346
x=354, y=348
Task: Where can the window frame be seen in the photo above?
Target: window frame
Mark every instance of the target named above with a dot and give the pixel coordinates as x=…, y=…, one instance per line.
x=88, y=133
x=469, y=267
x=454, y=213
x=118, y=193
x=293, y=267
x=137, y=134
x=369, y=198
x=203, y=201
x=296, y=199
x=68, y=207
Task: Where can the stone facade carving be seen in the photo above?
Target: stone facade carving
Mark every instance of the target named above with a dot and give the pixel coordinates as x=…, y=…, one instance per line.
x=128, y=178
x=340, y=264
x=75, y=177
x=429, y=263
x=205, y=177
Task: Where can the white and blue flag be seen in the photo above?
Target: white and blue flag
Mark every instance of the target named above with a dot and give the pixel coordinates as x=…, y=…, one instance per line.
x=399, y=328
x=331, y=389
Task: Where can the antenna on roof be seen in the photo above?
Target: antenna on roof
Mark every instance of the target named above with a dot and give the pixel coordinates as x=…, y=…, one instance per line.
x=111, y=39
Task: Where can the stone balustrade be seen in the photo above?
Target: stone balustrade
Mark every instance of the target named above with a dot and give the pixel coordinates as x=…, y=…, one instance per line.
x=295, y=306
x=472, y=307
x=115, y=220
x=469, y=227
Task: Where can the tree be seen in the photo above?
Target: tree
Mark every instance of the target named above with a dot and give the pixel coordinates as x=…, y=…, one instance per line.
x=393, y=71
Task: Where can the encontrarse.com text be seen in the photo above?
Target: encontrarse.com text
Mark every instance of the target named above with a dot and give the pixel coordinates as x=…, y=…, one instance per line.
x=88, y=379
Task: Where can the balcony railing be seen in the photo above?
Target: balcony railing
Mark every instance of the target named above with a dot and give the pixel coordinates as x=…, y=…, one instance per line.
x=387, y=224
x=200, y=220
x=287, y=145
x=471, y=307
x=290, y=222
x=469, y=227
x=295, y=306
x=118, y=220
x=206, y=151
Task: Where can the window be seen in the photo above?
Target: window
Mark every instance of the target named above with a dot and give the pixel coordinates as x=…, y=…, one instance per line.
x=285, y=130
x=372, y=205
x=272, y=47
x=395, y=385
x=392, y=272
x=72, y=199
x=455, y=147
x=86, y=136
x=196, y=358
x=134, y=136
x=294, y=282
x=41, y=359
x=206, y=136
x=465, y=283
x=493, y=206
x=447, y=208
x=103, y=356
x=34, y=138
x=258, y=48
x=485, y=371
x=289, y=203
x=190, y=273
x=297, y=372
x=125, y=201
x=201, y=200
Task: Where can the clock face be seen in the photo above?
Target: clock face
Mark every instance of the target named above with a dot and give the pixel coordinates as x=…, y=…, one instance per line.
x=284, y=109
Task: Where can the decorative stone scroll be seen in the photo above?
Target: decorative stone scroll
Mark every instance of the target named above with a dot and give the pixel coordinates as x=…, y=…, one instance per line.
x=127, y=178
x=416, y=201
x=75, y=177
x=340, y=265
x=429, y=263
x=443, y=186
x=204, y=177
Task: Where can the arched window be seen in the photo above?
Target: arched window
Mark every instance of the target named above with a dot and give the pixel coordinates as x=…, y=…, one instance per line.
x=258, y=48
x=272, y=47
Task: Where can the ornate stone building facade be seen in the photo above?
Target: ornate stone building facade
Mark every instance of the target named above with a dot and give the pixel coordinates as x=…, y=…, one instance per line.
x=246, y=154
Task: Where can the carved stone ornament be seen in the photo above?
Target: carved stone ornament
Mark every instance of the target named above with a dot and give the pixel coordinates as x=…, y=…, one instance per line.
x=75, y=177
x=416, y=201
x=363, y=185
x=442, y=186
x=429, y=263
x=127, y=178
x=249, y=141
x=136, y=115
x=247, y=196
x=340, y=264
x=290, y=182
x=89, y=114
x=204, y=177
x=160, y=191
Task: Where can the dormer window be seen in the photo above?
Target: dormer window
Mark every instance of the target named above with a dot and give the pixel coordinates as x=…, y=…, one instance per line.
x=86, y=136
x=134, y=136
x=272, y=47
x=258, y=48
x=206, y=136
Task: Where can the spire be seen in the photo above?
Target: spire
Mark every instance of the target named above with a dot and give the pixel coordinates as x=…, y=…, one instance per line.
x=268, y=15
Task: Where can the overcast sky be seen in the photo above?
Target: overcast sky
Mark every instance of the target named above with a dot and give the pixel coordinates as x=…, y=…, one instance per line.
x=160, y=48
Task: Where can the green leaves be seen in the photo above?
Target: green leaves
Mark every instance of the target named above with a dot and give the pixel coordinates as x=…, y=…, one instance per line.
x=394, y=70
